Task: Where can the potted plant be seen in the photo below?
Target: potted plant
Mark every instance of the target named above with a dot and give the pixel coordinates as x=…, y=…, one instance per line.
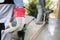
x=31, y=8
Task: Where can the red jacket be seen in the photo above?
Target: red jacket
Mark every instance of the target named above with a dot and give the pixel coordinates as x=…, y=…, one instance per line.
x=19, y=12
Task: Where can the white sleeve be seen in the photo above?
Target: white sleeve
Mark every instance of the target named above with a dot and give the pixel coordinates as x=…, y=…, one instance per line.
x=1, y=1
x=17, y=25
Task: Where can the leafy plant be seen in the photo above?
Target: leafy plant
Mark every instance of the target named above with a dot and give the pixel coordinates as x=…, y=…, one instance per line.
x=31, y=8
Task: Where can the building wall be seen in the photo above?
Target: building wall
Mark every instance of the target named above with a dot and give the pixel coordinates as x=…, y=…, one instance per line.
x=58, y=10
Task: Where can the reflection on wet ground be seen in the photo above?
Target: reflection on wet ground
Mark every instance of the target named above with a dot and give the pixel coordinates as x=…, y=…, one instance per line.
x=51, y=31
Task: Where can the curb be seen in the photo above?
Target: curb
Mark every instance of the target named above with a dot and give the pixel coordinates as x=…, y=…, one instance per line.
x=38, y=32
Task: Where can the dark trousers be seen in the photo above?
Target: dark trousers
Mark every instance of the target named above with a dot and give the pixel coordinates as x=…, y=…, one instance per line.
x=21, y=34
x=2, y=27
x=0, y=34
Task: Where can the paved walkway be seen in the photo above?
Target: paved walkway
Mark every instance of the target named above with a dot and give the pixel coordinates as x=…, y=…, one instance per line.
x=51, y=31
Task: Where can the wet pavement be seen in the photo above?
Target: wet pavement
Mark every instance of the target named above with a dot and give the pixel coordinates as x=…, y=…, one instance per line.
x=51, y=31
